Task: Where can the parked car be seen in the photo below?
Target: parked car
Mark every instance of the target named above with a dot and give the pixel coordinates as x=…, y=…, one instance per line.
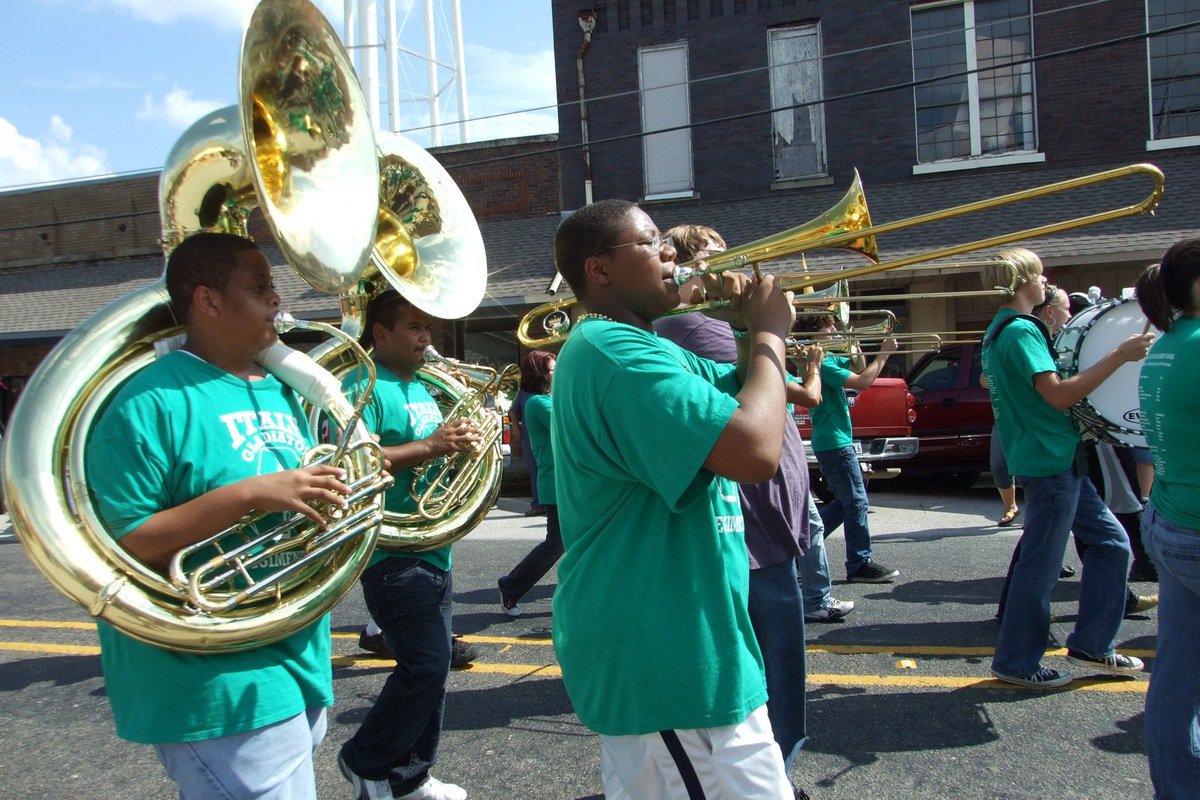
x=954, y=416
x=882, y=418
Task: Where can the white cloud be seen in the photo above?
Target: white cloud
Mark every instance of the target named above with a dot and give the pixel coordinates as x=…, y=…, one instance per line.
x=55, y=156
x=177, y=108
x=499, y=81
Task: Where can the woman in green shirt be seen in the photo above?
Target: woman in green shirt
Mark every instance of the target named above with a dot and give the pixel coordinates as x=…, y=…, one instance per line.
x=1169, y=294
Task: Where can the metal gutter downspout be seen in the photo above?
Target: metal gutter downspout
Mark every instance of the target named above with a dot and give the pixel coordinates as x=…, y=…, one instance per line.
x=587, y=21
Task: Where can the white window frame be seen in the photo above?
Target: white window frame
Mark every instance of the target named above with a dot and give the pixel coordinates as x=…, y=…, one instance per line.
x=977, y=159
x=676, y=142
x=1171, y=142
x=816, y=112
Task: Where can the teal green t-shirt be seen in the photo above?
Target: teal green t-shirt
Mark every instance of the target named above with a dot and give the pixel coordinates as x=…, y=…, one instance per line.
x=400, y=412
x=537, y=419
x=180, y=428
x=1038, y=439
x=831, y=428
x=1169, y=389
x=655, y=560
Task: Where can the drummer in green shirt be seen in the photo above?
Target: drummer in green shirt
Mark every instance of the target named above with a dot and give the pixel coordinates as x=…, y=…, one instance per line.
x=1030, y=402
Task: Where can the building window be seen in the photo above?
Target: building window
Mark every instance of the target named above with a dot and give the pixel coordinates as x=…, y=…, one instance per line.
x=989, y=110
x=798, y=126
x=1174, y=69
x=666, y=156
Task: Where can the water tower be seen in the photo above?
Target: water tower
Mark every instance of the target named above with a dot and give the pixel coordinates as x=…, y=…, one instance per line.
x=385, y=43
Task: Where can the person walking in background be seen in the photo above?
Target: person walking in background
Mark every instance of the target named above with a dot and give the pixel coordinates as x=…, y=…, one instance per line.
x=1030, y=403
x=537, y=372
x=520, y=437
x=775, y=511
x=832, y=442
x=1169, y=295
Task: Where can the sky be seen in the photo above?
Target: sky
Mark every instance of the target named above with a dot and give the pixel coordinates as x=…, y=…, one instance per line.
x=101, y=87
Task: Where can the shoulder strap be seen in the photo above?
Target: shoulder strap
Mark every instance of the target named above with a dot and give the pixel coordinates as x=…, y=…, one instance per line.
x=1041, y=326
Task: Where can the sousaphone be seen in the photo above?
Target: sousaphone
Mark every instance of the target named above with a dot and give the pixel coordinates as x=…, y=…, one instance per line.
x=300, y=147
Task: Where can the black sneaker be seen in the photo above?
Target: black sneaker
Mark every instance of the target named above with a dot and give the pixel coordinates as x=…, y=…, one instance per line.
x=873, y=572
x=1044, y=678
x=462, y=653
x=375, y=644
x=1115, y=664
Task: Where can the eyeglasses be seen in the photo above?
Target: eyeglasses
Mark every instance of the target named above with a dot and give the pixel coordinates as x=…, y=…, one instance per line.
x=658, y=243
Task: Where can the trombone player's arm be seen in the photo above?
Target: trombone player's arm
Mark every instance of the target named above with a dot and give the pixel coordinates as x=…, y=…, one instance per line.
x=867, y=376
x=808, y=393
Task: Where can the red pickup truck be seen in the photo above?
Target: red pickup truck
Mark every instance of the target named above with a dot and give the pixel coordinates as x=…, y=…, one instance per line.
x=954, y=416
x=882, y=417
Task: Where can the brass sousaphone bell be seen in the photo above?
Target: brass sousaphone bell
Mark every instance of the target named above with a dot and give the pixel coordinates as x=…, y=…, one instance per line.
x=300, y=146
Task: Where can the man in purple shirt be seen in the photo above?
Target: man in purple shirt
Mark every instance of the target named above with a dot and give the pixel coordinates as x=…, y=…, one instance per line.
x=776, y=517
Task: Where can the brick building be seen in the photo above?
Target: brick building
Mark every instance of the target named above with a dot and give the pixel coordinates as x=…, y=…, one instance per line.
x=752, y=115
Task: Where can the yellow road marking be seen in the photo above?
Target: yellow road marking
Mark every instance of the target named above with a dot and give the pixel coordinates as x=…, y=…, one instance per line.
x=553, y=671
x=38, y=623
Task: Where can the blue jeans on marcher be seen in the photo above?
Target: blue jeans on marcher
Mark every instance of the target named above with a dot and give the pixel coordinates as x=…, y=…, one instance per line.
x=398, y=741
x=849, y=505
x=1173, y=700
x=538, y=561
x=814, y=564
x=1056, y=506
x=273, y=762
x=778, y=619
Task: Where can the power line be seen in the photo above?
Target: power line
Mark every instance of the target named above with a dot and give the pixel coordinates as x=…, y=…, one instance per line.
x=593, y=143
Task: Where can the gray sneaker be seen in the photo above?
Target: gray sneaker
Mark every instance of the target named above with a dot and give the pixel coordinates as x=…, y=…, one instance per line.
x=364, y=788
x=830, y=611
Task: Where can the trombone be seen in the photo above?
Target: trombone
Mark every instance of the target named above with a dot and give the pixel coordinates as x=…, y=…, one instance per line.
x=848, y=225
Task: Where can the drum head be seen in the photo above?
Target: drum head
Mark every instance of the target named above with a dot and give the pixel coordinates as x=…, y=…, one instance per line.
x=1086, y=338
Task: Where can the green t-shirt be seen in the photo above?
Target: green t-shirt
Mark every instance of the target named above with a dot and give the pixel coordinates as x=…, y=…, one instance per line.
x=537, y=419
x=1168, y=390
x=180, y=428
x=400, y=412
x=1038, y=439
x=831, y=428
x=655, y=564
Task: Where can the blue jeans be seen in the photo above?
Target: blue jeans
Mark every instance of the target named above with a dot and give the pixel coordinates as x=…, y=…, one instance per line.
x=849, y=505
x=1173, y=700
x=778, y=619
x=1056, y=506
x=270, y=763
x=814, y=564
x=538, y=561
x=398, y=740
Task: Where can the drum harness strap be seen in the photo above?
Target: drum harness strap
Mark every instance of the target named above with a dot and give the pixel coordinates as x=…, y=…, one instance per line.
x=1080, y=454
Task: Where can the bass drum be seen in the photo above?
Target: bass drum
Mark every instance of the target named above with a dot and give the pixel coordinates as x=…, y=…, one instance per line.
x=1112, y=412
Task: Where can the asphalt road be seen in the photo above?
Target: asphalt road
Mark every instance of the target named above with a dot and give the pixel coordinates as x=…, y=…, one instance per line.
x=900, y=701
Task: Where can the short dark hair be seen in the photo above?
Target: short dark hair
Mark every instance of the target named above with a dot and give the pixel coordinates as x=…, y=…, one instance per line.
x=384, y=308
x=535, y=371
x=813, y=322
x=590, y=231
x=202, y=259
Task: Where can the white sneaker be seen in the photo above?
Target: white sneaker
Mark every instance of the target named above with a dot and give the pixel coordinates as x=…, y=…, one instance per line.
x=433, y=789
x=366, y=788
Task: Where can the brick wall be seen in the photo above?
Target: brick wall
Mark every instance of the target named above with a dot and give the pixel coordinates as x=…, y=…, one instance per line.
x=1091, y=105
x=506, y=179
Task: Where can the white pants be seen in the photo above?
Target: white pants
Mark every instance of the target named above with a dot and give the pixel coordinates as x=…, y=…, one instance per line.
x=732, y=762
